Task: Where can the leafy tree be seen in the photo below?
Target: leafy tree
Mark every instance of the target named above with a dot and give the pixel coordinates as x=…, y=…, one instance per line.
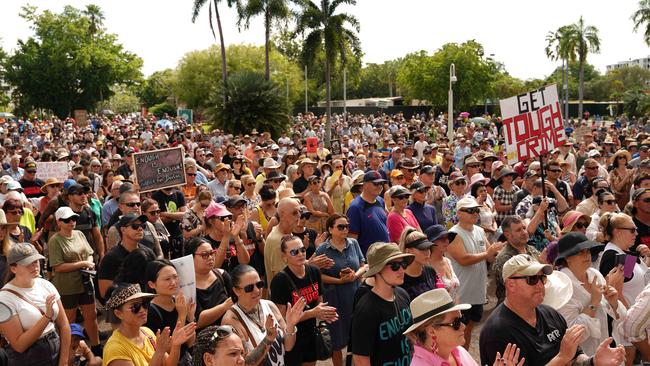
x=273, y=11
x=252, y=102
x=326, y=29
x=505, y=86
x=579, y=40
x=123, y=100
x=4, y=90
x=641, y=19
x=158, y=88
x=286, y=43
x=96, y=17
x=163, y=108
x=62, y=67
x=196, y=9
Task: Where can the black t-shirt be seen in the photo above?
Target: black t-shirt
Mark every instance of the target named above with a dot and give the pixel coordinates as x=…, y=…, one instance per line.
x=215, y=294
x=300, y=185
x=538, y=344
x=387, y=320
x=441, y=177
x=171, y=203
x=159, y=318
x=416, y=286
x=642, y=236
x=112, y=261
x=310, y=287
x=32, y=188
x=308, y=238
x=231, y=260
x=85, y=223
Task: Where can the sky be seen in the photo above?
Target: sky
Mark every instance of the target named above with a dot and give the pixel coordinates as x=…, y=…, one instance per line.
x=514, y=31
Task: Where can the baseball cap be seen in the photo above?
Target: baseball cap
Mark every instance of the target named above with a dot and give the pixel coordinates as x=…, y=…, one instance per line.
x=77, y=188
x=525, y=265
x=216, y=209
x=23, y=254
x=14, y=186
x=467, y=202
x=427, y=169
x=400, y=192
x=77, y=330
x=129, y=219
x=373, y=176
x=64, y=213
x=30, y=166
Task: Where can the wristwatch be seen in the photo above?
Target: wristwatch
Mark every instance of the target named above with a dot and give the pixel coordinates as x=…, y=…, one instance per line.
x=592, y=307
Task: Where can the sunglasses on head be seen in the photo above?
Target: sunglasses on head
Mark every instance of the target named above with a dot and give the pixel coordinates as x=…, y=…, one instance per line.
x=136, y=307
x=395, y=266
x=532, y=280
x=206, y=255
x=69, y=219
x=132, y=204
x=249, y=288
x=473, y=210
x=296, y=251
x=455, y=324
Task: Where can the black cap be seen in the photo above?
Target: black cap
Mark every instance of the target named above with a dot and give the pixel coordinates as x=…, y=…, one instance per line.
x=129, y=219
x=400, y=192
x=427, y=169
x=233, y=201
x=436, y=232
x=77, y=188
x=573, y=243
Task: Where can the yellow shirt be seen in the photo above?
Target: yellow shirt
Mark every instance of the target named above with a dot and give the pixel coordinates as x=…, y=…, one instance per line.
x=28, y=220
x=118, y=347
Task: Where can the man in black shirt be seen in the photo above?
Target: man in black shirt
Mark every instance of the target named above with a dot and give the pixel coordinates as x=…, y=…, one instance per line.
x=31, y=185
x=382, y=315
x=641, y=217
x=538, y=330
x=172, y=208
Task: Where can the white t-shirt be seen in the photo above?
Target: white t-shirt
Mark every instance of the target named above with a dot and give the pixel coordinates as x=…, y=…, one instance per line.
x=27, y=313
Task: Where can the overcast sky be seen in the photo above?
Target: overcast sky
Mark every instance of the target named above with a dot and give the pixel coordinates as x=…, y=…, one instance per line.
x=161, y=31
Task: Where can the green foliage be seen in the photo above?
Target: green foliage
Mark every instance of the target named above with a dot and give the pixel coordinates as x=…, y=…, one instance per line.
x=67, y=64
x=641, y=19
x=158, y=88
x=252, y=102
x=426, y=77
x=123, y=100
x=159, y=110
x=637, y=102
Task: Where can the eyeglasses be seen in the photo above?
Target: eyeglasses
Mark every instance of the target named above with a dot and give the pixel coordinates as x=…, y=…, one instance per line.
x=235, y=187
x=135, y=308
x=132, y=204
x=342, y=227
x=609, y=202
x=395, y=266
x=473, y=210
x=154, y=212
x=306, y=215
x=296, y=251
x=249, y=288
x=224, y=218
x=400, y=197
x=633, y=230
x=455, y=324
x=591, y=167
x=191, y=174
x=69, y=219
x=473, y=165
x=532, y=280
x=206, y=255
x=555, y=170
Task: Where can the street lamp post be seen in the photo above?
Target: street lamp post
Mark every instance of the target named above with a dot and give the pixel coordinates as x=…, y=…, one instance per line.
x=450, y=116
x=345, y=95
x=306, y=107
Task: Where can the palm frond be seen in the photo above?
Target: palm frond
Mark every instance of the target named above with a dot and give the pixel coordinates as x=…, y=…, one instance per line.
x=196, y=9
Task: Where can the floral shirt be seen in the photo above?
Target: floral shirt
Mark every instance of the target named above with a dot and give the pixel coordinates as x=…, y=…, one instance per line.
x=538, y=240
x=449, y=209
x=190, y=220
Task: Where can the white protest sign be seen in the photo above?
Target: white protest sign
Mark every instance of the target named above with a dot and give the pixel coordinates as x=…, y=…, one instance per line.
x=532, y=123
x=58, y=170
x=186, y=278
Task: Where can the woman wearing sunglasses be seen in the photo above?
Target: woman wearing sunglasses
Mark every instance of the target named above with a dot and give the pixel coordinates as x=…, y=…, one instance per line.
x=69, y=252
x=248, y=184
x=606, y=203
x=399, y=216
x=133, y=344
x=419, y=276
x=437, y=333
x=218, y=346
x=261, y=319
x=159, y=232
x=192, y=223
x=621, y=177
x=439, y=236
x=318, y=203
x=170, y=306
x=300, y=280
x=226, y=236
x=341, y=280
x=213, y=285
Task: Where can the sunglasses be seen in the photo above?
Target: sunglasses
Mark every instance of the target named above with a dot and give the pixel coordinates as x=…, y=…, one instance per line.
x=633, y=230
x=377, y=184
x=455, y=325
x=555, y=170
x=132, y=204
x=581, y=225
x=342, y=227
x=278, y=181
x=69, y=219
x=315, y=182
x=473, y=210
x=135, y=308
x=206, y=255
x=137, y=226
x=191, y=174
x=474, y=166
x=235, y=187
x=460, y=182
x=591, y=167
x=296, y=251
x=401, y=197
x=609, y=202
x=224, y=218
x=532, y=280
x=395, y=266
x=306, y=215
x=154, y=212
x=250, y=184
x=249, y=288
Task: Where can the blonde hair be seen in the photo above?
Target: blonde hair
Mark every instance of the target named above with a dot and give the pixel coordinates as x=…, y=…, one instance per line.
x=247, y=178
x=610, y=221
x=409, y=235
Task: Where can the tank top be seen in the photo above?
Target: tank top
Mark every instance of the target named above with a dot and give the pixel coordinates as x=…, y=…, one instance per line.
x=275, y=355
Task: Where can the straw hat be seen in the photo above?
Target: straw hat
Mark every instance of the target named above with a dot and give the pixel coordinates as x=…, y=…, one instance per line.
x=50, y=182
x=625, y=153
x=380, y=254
x=430, y=305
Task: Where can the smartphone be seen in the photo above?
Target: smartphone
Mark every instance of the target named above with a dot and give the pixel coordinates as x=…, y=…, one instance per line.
x=628, y=269
x=620, y=259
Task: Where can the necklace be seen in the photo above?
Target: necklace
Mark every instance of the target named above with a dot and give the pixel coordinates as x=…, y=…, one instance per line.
x=254, y=316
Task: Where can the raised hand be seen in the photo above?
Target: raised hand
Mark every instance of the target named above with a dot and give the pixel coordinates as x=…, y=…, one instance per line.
x=615, y=278
x=50, y=300
x=182, y=333
x=271, y=329
x=163, y=340
x=327, y=313
x=595, y=290
x=606, y=355
x=510, y=357
x=294, y=313
x=571, y=341
x=321, y=261
x=181, y=305
x=320, y=239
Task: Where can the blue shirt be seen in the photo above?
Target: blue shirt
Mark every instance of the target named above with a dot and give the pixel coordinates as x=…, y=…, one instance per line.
x=108, y=210
x=424, y=213
x=368, y=221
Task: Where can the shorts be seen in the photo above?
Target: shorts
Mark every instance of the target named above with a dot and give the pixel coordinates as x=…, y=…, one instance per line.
x=72, y=301
x=304, y=351
x=473, y=314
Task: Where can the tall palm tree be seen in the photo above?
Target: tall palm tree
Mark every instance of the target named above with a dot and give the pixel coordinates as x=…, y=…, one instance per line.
x=327, y=30
x=641, y=17
x=198, y=4
x=96, y=16
x=273, y=11
x=556, y=50
x=579, y=40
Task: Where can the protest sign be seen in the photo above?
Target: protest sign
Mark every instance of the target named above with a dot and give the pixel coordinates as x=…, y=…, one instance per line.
x=532, y=123
x=312, y=145
x=159, y=169
x=186, y=114
x=186, y=278
x=81, y=117
x=58, y=170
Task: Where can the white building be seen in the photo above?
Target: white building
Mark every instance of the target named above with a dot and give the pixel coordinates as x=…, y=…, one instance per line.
x=640, y=62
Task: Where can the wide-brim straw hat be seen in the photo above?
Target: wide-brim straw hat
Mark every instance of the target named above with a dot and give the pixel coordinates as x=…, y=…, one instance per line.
x=432, y=304
x=50, y=182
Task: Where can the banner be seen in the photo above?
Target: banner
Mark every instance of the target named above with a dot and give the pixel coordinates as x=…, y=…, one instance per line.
x=532, y=123
x=81, y=117
x=159, y=169
x=312, y=145
x=186, y=277
x=58, y=170
x=186, y=114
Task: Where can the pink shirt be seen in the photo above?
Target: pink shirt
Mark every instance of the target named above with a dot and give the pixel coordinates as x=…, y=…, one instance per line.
x=396, y=224
x=424, y=357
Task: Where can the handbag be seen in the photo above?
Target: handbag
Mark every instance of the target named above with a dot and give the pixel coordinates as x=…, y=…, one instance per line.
x=323, y=338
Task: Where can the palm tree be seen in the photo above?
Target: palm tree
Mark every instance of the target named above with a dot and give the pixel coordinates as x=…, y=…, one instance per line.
x=198, y=4
x=96, y=16
x=327, y=29
x=579, y=40
x=272, y=10
x=556, y=50
x=642, y=17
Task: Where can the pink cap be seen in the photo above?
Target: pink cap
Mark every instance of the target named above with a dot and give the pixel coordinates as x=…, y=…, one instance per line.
x=497, y=164
x=216, y=209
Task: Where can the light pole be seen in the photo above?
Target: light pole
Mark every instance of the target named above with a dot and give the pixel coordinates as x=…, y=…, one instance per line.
x=345, y=96
x=306, y=109
x=450, y=115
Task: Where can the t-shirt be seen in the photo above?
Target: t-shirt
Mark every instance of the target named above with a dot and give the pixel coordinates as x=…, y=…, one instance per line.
x=68, y=250
x=27, y=313
x=388, y=320
x=537, y=344
x=310, y=287
x=473, y=277
x=273, y=254
x=32, y=188
x=368, y=221
x=416, y=286
x=86, y=221
x=171, y=203
x=119, y=347
x=214, y=294
x=112, y=261
x=300, y=185
x=642, y=236
x=159, y=318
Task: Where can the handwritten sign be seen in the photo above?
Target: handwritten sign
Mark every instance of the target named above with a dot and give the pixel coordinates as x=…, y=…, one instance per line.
x=58, y=170
x=159, y=169
x=312, y=145
x=186, y=277
x=532, y=123
x=81, y=117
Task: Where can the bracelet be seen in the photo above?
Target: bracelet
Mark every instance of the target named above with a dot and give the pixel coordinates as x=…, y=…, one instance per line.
x=47, y=317
x=295, y=330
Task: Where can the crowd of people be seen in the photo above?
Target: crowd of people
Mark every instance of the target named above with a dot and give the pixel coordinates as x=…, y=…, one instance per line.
x=382, y=250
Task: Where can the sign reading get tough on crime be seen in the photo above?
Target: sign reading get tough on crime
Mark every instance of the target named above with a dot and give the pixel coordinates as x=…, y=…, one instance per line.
x=532, y=123
x=159, y=169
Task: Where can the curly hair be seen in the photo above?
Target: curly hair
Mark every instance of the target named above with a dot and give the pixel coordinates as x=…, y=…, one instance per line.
x=206, y=342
